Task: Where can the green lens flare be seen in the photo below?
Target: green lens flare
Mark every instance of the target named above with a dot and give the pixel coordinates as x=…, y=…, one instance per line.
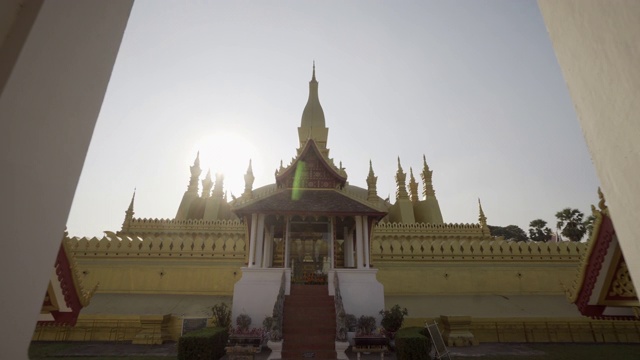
x=297, y=181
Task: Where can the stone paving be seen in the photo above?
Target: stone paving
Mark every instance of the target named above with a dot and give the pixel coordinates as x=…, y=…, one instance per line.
x=170, y=350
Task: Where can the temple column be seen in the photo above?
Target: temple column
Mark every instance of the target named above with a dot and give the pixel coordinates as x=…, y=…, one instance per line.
x=267, y=256
x=260, y=240
x=332, y=240
x=252, y=239
x=348, y=247
x=365, y=227
x=287, y=245
x=359, y=244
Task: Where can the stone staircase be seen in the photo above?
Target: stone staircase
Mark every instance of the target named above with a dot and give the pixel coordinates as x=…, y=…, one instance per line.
x=309, y=328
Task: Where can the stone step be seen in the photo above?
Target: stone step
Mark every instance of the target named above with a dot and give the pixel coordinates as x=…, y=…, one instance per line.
x=309, y=323
x=317, y=354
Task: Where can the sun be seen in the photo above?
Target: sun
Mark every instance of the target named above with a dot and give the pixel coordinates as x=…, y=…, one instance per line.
x=226, y=153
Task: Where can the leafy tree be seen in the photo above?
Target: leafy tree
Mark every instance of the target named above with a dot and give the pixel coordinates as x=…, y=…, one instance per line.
x=588, y=223
x=539, y=231
x=570, y=221
x=509, y=232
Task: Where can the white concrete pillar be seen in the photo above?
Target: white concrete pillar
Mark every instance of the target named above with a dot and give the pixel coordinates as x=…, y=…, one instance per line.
x=287, y=245
x=365, y=228
x=596, y=44
x=43, y=99
x=332, y=240
x=359, y=245
x=348, y=247
x=252, y=239
x=260, y=240
x=267, y=255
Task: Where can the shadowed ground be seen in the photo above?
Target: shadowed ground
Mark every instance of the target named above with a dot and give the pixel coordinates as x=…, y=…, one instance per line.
x=489, y=351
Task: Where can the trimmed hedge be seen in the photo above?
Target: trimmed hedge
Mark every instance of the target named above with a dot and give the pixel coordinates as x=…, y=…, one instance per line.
x=205, y=344
x=413, y=343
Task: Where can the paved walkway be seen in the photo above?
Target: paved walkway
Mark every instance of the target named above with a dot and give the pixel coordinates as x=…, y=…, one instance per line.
x=170, y=350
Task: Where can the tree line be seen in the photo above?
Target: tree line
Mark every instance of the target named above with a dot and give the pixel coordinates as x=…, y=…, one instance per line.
x=572, y=225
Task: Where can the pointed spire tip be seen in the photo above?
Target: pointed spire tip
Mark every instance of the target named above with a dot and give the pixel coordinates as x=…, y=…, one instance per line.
x=313, y=77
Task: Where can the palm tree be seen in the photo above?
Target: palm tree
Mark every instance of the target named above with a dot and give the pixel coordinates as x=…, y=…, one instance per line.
x=571, y=223
x=539, y=231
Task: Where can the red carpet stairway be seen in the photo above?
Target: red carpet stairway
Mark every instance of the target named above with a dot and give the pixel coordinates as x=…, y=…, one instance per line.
x=309, y=328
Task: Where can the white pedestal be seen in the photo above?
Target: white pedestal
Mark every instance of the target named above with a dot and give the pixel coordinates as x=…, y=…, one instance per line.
x=256, y=292
x=276, y=349
x=341, y=347
x=362, y=293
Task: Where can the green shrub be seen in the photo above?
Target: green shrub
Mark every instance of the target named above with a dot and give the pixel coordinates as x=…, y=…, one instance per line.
x=221, y=314
x=413, y=343
x=393, y=318
x=205, y=344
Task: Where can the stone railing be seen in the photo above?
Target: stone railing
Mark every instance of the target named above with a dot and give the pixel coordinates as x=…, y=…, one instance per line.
x=221, y=246
x=184, y=226
x=341, y=327
x=455, y=249
x=275, y=333
x=423, y=229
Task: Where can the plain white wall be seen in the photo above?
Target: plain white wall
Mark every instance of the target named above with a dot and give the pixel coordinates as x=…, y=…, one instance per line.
x=48, y=108
x=597, y=44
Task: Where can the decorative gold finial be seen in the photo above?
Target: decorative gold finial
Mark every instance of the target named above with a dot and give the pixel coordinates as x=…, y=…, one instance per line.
x=132, y=200
x=195, y=173
x=482, y=218
x=413, y=187
x=601, y=203
x=248, y=182
x=372, y=180
x=427, y=182
x=206, y=185
x=218, y=191
x=401, y=188
x=128, y=215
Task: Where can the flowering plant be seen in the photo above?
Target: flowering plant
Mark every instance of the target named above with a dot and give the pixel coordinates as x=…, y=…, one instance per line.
x=246, y=332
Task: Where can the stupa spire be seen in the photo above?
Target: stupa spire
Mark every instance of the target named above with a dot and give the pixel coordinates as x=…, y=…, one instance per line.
x=195, y=173
x=482, y=218
x=248, y=182
x=218, y=187
x=372, y=181
x=206, y=185
x=413, y=187
x=401, y=188
x=427, y=183
x=312, y=124
x=128, y=217
x=313, y=76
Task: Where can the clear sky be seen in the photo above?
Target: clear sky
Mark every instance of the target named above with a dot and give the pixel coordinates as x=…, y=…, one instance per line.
x=472, y=85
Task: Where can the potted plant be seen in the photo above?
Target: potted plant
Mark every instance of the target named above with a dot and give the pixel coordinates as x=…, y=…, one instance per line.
x=392, y=320
x=366, y=334
x=267, y=324
x=242, y=335
x=351, y=323
x=221, y=315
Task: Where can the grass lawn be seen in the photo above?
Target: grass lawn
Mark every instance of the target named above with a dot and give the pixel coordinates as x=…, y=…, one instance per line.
x=572, y=351
x=49, y=351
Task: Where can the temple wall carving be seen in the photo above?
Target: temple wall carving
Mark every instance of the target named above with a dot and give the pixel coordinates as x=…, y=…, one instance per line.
x=435, y=247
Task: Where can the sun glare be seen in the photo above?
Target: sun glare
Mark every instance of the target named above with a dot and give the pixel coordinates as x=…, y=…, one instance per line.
x=227, y=153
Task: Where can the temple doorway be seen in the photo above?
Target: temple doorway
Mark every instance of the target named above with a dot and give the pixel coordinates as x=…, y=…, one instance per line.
x=310, y=257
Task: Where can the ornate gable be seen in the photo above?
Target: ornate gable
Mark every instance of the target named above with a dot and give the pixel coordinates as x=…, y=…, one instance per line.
x=311, y=170
x=603, y=287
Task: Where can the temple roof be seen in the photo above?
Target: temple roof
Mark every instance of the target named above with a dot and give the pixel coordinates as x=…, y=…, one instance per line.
x=603, y=288
x=313, y=115
x=309, y=201
x=317, y=172
x=65, y=295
